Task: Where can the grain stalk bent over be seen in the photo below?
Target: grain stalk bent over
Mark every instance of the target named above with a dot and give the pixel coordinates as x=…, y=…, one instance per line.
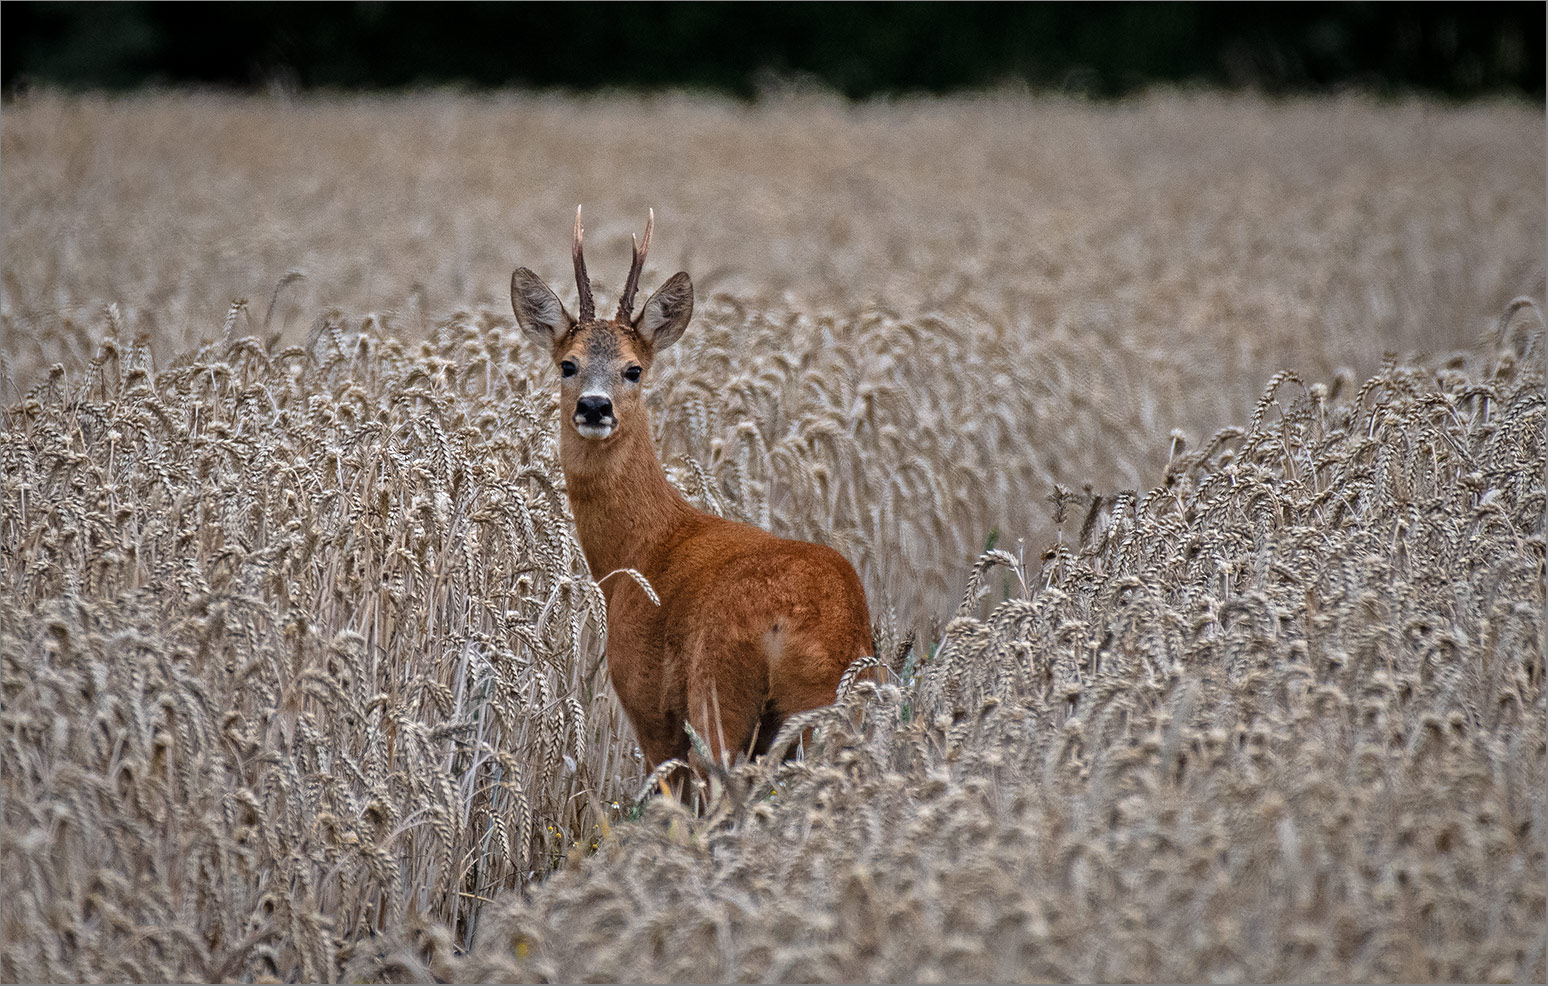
x=749, y=628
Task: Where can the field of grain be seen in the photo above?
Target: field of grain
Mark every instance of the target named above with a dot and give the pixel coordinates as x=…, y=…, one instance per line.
x=1214, y=634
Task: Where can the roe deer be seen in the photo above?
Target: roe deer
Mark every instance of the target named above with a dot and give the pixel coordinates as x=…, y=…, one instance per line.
x=751, y=628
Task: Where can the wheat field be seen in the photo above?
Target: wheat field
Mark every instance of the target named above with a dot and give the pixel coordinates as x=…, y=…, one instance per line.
x=1190, y=448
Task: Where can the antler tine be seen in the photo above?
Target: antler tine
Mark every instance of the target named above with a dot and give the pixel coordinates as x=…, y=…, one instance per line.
x=588, y=308
x=626, y=302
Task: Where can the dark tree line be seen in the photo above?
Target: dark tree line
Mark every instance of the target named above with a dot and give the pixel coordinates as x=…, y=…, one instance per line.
x=1454, y=49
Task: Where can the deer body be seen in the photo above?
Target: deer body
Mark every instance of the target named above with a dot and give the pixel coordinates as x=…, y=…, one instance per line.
x=751, y=628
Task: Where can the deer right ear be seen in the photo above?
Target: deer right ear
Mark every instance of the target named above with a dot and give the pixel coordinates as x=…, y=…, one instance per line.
x=666, y=314
x=538, y=310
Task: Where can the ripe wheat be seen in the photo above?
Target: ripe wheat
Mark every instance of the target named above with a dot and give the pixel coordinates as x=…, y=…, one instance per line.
x=299, y=659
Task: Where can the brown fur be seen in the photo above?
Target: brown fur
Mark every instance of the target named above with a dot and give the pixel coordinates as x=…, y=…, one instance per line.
x=751, y=628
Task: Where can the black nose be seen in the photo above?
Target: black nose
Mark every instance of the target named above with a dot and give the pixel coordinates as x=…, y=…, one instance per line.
x=592, y=410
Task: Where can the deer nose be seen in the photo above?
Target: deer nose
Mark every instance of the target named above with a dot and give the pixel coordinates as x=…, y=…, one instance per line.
x=594, y=409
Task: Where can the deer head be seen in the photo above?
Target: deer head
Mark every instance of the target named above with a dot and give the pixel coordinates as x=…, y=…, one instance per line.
x=602, y=363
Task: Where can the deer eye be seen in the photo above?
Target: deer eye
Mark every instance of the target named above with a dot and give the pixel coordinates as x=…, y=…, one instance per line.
x=567, y=368
x=632, y=374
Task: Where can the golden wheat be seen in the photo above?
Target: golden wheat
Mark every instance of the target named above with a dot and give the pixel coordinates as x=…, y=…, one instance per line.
x=302, y=666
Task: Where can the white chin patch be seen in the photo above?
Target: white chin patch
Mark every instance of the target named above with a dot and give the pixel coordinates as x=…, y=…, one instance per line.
x=593, y=431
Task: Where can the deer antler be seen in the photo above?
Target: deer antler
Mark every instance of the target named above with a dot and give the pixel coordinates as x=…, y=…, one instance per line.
x=626, y=303
x=588, y=308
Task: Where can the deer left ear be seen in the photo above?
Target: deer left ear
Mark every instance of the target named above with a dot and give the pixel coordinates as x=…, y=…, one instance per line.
x=666, y=314
x=539, y=311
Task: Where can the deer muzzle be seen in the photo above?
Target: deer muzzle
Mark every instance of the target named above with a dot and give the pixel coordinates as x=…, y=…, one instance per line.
x=594, y=416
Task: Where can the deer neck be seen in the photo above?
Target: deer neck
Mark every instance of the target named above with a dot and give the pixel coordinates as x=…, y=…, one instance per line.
x=625, y=508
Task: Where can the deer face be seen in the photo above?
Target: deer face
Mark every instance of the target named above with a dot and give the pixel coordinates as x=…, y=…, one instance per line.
x=602, y=364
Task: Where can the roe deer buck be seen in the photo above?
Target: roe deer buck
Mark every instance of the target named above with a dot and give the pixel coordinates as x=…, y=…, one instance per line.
x=751, y=628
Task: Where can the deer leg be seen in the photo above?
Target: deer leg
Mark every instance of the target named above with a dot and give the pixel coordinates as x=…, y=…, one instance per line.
x=660, y=742
x=658, y=748
x=806, y=661
x=726, y=698
x=806, y=672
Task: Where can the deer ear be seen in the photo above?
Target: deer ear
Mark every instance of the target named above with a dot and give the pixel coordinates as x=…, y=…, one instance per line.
x=666, y=314
x=538, y=310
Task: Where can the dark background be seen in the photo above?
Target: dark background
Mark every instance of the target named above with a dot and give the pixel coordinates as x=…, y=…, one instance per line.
x=1456, y=50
